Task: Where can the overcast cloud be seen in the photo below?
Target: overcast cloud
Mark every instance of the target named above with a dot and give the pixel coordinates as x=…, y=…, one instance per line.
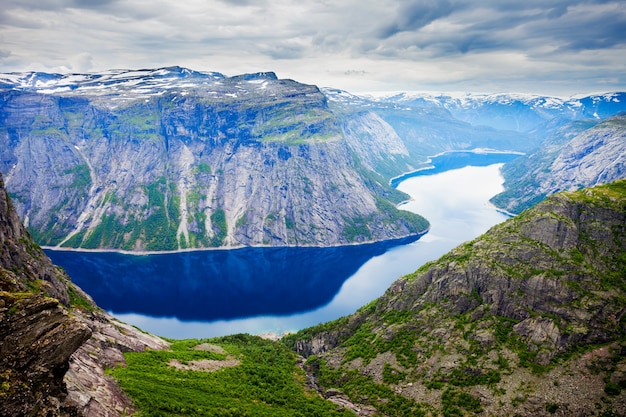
x=544, y=46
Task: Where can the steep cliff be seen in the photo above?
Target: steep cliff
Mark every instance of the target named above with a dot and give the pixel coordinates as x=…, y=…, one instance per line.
x=168, y=159
x=54, y=341
x=528, y=319
x=37, y=338
x=577, y=155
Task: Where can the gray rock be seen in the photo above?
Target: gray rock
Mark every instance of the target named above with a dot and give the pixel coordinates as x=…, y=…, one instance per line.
x=196, y=161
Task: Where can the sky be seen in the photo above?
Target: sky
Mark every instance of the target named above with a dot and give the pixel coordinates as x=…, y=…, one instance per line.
x=552, y=47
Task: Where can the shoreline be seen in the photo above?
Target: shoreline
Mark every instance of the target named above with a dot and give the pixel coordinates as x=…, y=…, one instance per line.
x=415, y=236
x=394, y=181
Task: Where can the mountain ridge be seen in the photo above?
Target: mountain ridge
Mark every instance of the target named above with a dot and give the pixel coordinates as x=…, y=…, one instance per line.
x=219, y=162
x=489, y=326
x=515, y=111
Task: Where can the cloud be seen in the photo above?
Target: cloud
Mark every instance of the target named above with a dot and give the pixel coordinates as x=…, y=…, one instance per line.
x=291, y=49
x=420, y=43
x=415, y=15
x=82, y=62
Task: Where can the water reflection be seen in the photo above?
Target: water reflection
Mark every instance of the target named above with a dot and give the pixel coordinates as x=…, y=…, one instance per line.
x=219, y=284
x=212, y=293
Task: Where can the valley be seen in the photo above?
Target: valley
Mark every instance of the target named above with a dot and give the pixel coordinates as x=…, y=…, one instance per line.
x=275, y=290
x=282, y=181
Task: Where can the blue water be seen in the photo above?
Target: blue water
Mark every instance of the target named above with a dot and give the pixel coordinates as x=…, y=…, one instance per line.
x=448, y=161
x=274, y=290
x=218, y=284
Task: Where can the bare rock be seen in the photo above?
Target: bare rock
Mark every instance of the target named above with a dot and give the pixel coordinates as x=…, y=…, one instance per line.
x=92, y=391
x=37, y=338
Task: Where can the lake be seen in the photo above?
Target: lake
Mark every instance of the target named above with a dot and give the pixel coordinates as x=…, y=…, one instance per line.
x=276, y=290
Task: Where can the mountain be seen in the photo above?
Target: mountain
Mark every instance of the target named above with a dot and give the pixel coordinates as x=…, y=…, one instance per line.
x=518, y=112
x=527, y=320
x=576, y=155
x=427, y=130
x=571, y=143
x=54, y=341
x=170, y=159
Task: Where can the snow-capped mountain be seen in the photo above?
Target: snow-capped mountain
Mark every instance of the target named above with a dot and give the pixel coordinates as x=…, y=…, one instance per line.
x=520, y=112
x=171, y=158
x=117, y=86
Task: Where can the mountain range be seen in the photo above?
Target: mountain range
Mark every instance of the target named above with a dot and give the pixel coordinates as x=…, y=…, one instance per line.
x=528, y=319
x=170, y=158
x=519, y=112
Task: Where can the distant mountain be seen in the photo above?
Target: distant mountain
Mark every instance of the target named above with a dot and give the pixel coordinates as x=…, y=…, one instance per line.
x=571, y=143
x=170, y=159
x=577, y=155
x=518, y=112
x=528, y=320
x=427, y=130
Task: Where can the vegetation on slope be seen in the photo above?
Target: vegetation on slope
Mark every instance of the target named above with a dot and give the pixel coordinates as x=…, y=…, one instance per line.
x=528, y=319
x=576, y=155
x=236, y=375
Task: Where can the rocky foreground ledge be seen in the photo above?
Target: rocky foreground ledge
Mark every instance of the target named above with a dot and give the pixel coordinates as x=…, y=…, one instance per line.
x=54, y=341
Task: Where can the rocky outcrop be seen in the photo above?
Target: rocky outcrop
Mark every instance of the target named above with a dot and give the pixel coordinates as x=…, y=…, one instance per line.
x=541, y=297
x=24, y=263
x=54, y=341
x=595, y=155
x=90, y=389
x=37, y=338
x=172, y=159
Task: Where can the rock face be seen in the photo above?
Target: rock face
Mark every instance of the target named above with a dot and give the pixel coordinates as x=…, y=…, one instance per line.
x=170, y=159
x=90, y=390
x=54, y=341
x=596, y=154
x=527, y=319
x=37, y=338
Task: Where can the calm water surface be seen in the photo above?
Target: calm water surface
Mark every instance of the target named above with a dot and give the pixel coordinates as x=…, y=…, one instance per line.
x=274, y=290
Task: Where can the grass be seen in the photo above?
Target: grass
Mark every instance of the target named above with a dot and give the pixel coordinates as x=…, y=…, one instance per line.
x=218, y=220
x=267, y=381
x=362, y=389
x=76, y=300
x=82, y=177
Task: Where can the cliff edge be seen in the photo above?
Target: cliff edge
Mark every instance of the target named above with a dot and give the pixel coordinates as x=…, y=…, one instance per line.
x=54, y=341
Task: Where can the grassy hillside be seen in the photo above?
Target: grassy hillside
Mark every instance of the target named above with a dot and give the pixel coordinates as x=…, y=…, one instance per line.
x=528, y=319
x=237, y=375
